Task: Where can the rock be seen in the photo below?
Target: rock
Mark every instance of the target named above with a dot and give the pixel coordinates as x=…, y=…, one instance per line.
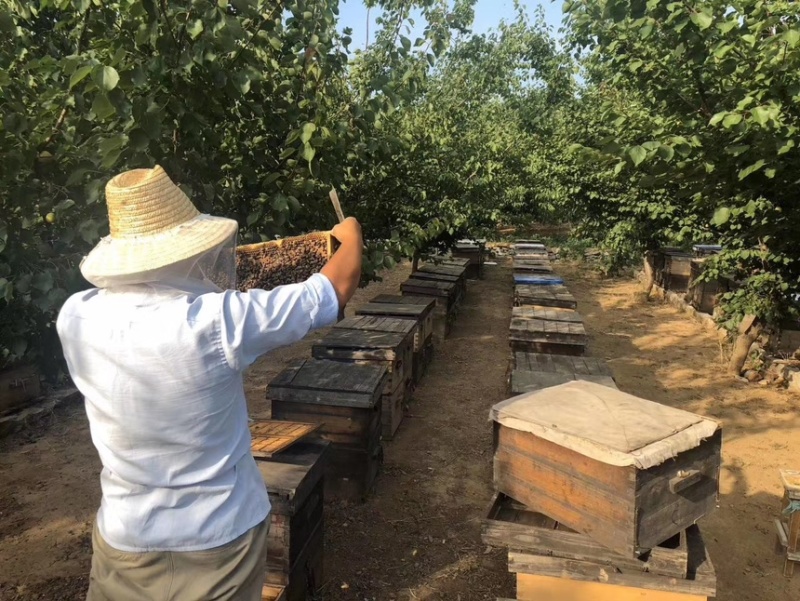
x=793, y=380
x=752, y=375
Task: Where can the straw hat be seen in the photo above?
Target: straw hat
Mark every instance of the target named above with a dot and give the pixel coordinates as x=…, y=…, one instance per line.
x=153, y=224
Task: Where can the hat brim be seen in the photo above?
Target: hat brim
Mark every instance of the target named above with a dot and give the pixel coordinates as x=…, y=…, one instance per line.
x=124, y=257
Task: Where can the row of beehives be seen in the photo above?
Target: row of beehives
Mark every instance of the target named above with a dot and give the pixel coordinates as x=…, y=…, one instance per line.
x=678, y=271
x=332, y=412
x=597, y=491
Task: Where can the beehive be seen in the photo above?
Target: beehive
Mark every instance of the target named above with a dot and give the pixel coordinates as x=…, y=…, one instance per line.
x=627, y=472
x=294, y=481
x=346, y=399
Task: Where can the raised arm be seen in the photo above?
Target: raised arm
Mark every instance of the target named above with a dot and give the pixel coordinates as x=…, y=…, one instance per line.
x=344, y=268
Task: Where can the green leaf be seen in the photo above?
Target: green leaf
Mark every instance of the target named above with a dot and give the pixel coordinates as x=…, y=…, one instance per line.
x=666, y=152
x=106, y=78
x=721, y=216
x=751, y=169
x=770, y=173
x=276, y=43
x=717, y=118
x=307, y=131
x=309, y=152
x=102, y=107
x=195, y=28
x=702, y=20
x=731, y=119
x=64, y=205
x=79, y=75
x=287, y=152
x=637, y=154
x=760, y=114
x=792, y=37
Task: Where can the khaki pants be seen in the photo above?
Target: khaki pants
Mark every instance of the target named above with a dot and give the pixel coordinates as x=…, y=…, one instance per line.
x=233, y=572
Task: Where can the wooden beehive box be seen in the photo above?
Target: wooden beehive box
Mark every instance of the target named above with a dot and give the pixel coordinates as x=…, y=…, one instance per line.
x=346, y=399
x=703, y=295
x=421, y=316
x=393, y=399
x=427, y=306
x=514, y=526
x=547, y=336
x=627, y=472
x=534, y=371
x=537, y=279
x=295, y=547
x=544, y=296
x=447, y=273
x=394, y=350
x=673, y=269
x=470, y=255
x=547, y=313
x=532, y=266
x=267, y=265
x=559, y=576
x=444, y=293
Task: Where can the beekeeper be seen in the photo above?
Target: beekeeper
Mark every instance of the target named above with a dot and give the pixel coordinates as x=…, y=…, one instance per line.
x=158, y=348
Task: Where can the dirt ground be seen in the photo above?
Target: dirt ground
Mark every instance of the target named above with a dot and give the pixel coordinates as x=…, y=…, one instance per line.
x=418, y=537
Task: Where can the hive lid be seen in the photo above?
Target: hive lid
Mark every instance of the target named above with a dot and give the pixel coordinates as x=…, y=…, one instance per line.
x=329, y=383
x=605, y=424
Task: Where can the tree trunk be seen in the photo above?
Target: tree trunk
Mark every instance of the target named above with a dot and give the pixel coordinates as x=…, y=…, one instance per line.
x=741, y=348
x=415, y=263
x=649, y=273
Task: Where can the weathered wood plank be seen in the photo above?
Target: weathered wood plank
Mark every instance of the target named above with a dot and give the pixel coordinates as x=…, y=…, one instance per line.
x=548, y=313
x=511, y=525
x=530, y=381
x=589, y=366
x=531, y=587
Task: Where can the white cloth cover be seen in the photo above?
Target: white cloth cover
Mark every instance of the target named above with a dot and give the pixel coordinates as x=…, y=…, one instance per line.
x=605, y=424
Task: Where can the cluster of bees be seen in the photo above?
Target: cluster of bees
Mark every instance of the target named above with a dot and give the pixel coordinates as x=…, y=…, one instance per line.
x=276, y=263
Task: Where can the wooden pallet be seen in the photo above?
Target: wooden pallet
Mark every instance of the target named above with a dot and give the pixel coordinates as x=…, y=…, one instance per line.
x=273, y=436
x=544, y=296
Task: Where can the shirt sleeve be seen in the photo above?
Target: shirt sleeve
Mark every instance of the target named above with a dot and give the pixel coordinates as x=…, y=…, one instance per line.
x=257, y=321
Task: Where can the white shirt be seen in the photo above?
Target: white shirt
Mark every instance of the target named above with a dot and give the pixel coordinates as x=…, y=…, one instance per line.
x=161, y=369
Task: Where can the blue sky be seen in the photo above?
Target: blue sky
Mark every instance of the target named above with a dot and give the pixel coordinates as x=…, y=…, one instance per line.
x=488, y=13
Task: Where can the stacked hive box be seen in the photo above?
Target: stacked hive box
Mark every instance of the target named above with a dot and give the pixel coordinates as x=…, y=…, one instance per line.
x=597, y=491
x=472, y=252
x=391, y=349
x=345, y=399
x=294, y=480
x=624, y=479
x=446, y=284
x=418, y=310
